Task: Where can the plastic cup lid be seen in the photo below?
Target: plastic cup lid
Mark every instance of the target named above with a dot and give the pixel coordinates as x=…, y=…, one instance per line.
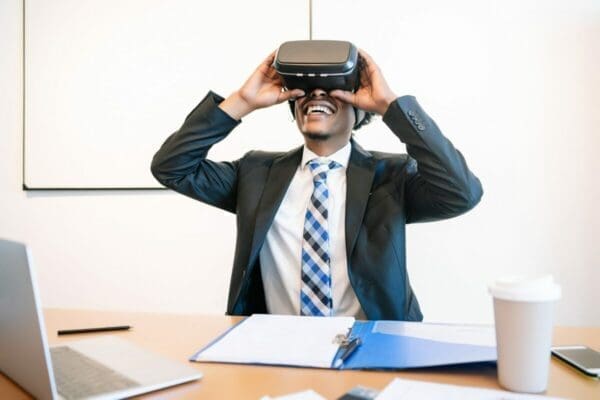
x=520, y=288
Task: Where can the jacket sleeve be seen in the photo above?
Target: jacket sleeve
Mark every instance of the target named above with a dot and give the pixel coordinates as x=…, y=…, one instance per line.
x=180, y=164
x=439, y=183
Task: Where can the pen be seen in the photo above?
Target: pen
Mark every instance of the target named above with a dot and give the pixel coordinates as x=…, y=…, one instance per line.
x=91, y=330
x=348, y=350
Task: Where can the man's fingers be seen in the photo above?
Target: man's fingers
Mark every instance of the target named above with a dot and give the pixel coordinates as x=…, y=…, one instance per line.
x=366, y=56
x=270, y=58
x=267, y=63
x=272, y=74
x=343, y=95
x=371, y=66
x=290, y=95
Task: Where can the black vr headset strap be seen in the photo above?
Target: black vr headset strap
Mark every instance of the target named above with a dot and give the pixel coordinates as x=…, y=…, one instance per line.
x=359, y=116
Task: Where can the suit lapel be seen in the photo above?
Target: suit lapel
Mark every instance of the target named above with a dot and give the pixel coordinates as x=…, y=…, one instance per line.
x=278, y=180
x=359, y=179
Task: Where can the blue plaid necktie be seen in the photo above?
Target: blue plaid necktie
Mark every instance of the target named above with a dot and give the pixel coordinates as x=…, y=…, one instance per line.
x=315, y=294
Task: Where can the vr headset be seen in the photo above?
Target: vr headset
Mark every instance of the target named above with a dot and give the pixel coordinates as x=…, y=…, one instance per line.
x=324, y=64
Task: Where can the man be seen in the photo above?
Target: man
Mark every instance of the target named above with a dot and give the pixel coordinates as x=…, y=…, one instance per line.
x=321, y=228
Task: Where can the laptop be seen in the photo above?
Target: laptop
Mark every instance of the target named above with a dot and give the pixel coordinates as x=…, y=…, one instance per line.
x=103, y=367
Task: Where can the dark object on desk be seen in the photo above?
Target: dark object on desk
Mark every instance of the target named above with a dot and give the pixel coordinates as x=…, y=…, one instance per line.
x=360, y=393
x=583, y=358
x=94, y=330
x=324, y=64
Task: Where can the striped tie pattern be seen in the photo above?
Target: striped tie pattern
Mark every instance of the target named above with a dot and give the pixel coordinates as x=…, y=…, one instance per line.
x=315, y=294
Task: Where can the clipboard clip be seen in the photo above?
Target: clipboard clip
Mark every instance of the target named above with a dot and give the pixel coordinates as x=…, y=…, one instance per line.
x=342, y=339
x=345, y=340
x=347, y=345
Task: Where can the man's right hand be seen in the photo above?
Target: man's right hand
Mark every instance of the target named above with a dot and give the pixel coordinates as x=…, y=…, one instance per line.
x=263, y=89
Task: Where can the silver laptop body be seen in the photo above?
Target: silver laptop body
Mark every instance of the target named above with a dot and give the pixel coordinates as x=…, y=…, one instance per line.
x=104, y=367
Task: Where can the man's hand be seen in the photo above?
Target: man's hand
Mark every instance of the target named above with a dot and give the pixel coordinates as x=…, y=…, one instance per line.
x=374, y=94
x=263, y=88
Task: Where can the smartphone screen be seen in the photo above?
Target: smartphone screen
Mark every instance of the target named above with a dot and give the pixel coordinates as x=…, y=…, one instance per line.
x=583, y=357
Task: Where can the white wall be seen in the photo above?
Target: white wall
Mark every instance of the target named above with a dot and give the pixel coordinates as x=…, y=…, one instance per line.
x=112, y=250
x=516, y=86
x=537, y=160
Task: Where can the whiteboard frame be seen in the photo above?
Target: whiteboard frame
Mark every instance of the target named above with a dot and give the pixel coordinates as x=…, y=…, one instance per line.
x=25, y=186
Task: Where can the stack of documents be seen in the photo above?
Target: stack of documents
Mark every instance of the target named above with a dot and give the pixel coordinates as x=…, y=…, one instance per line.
x=403, y=389
x=315, y=342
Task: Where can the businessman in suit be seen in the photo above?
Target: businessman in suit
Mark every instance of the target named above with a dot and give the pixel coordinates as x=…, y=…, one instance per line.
x=321, y=228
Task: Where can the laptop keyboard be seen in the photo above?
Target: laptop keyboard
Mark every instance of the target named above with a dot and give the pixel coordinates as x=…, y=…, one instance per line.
x=78, y=376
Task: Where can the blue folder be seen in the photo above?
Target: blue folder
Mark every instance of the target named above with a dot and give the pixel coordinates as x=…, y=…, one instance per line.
x=391, y=351
x=398, y=345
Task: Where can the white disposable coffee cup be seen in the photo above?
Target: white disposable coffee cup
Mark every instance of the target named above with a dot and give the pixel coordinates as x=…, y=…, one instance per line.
x=523, y=309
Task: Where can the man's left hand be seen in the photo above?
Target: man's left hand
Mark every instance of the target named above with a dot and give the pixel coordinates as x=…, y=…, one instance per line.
x=374, y=94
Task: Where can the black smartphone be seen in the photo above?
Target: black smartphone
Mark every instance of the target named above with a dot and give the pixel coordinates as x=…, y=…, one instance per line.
x=583, y=358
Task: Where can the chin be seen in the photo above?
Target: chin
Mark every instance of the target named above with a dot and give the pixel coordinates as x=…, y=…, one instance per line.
x=317, y=136
x=316, y=132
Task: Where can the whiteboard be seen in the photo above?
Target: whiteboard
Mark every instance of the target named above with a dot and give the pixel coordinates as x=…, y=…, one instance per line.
x=107, y=81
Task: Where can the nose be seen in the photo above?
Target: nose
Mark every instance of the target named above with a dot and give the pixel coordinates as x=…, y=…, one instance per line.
x=318, y=92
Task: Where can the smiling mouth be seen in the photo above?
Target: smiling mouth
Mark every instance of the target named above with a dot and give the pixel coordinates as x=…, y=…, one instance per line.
x=318, y=109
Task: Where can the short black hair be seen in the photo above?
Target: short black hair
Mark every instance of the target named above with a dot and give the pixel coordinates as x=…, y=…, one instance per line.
x=368, y=116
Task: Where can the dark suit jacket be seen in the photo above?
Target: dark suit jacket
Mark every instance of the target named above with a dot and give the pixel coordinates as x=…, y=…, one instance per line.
x=384, y=192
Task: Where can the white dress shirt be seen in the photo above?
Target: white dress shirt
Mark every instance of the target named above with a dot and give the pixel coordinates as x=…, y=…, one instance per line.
x=280, y=256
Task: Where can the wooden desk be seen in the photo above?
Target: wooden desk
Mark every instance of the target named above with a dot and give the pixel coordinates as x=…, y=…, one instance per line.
x=178, y=336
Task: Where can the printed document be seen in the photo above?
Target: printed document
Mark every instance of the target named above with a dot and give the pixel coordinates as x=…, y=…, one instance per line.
x=404, y=389
x=280, y=340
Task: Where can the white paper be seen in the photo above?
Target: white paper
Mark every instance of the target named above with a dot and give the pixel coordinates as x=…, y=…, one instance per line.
x=479, y=335
x=304, y=395
x=403, y=389
x=281, y=340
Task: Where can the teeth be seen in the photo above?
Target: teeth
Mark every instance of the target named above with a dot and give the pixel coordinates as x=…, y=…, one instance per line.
x=312, y=109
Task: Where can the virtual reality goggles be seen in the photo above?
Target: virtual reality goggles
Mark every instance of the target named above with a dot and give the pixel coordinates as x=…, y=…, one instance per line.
x=324, y=64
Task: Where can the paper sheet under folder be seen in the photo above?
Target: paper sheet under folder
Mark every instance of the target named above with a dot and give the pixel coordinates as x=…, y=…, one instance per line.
x=314, y=342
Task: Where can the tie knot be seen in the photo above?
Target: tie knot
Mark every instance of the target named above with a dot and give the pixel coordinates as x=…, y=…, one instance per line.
x=320, y=167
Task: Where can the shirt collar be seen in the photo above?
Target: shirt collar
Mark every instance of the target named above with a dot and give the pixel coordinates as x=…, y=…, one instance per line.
x=342, y=156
